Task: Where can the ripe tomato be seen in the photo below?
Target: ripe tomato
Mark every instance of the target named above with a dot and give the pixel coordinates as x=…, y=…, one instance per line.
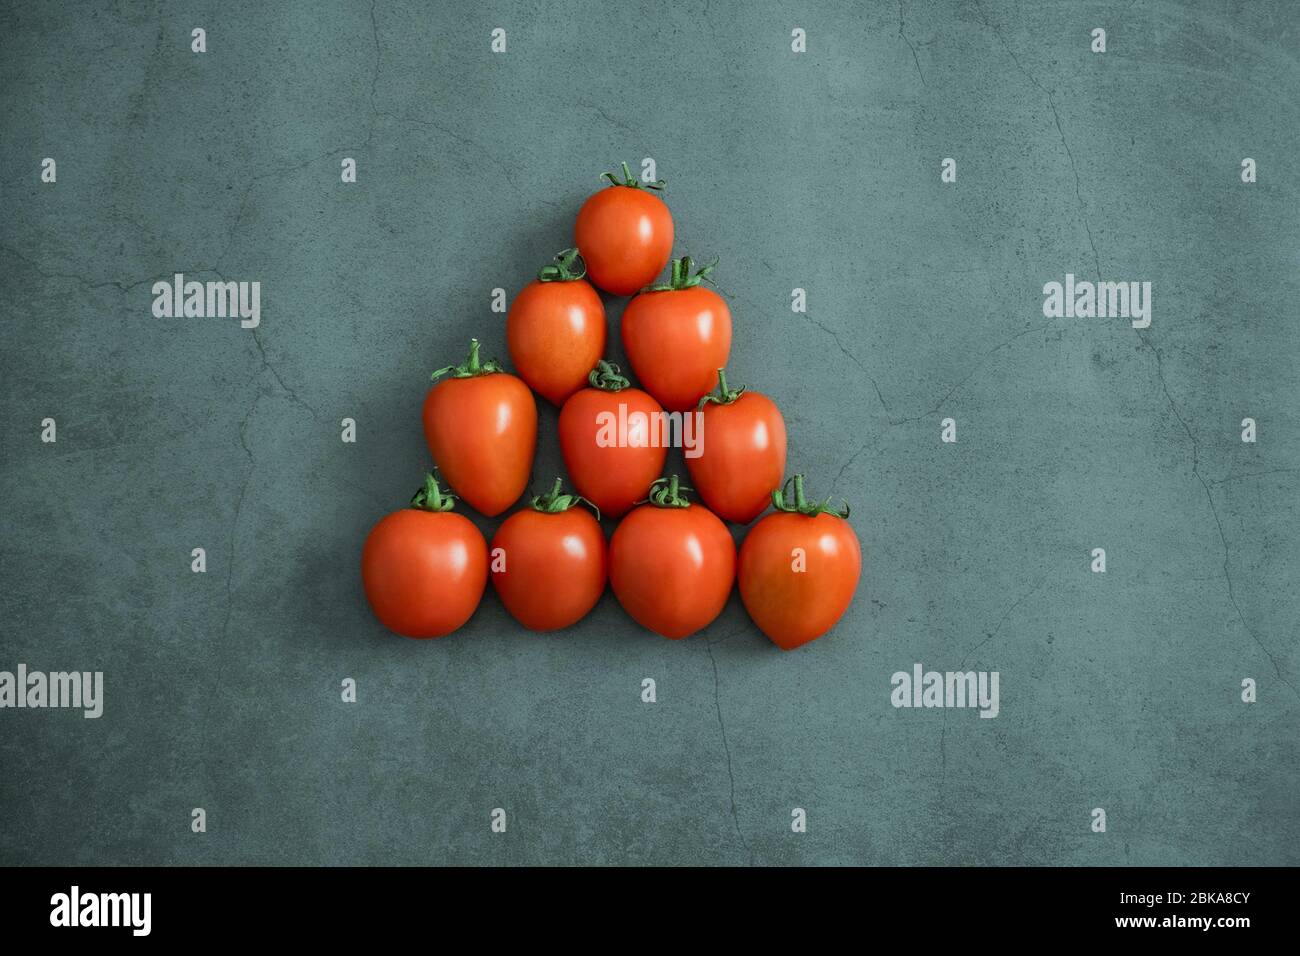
x=799, y=568
x=548, y=562
x=625, y=234
x=742, y=453
x=677, y=336
x=672, y=563
x=556, y=330
x=424, y=568
x=481, y=425
x=610, y=439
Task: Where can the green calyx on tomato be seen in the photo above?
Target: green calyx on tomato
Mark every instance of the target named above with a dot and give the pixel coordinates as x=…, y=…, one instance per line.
x=431, y=497
x=666, y=493
x=472, y=366
x=606, y=377
x=722, y=395
x=680, y=276
x=630, y=181
x=782, y=501
x=555, y=502
x=562, y=269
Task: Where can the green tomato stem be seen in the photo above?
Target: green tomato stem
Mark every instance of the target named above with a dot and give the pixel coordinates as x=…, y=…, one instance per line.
x=431, y=497
x=666, y=493
x=471, y=367
x=801, y=505
x=555, y=502
x=680, y=276
x=562, y=269
x=605, y=376
x=630, y=181
x=722, y=395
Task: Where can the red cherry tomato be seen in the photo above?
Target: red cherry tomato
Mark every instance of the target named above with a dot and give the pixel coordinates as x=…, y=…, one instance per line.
x=481, y=425
x=424, y=568
x=677, y=336
x=741, y=456
x=672, y=563
x=556, y=330
x=611, y=441
x=625, y=234
x=548, y=562
x=798, y=570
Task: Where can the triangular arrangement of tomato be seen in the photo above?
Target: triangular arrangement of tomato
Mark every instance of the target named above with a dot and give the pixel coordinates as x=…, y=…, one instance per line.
x=671, y=562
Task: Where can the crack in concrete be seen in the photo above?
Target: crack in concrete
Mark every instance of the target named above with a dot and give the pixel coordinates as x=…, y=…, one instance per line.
x=909, y=43
x=269, y=366
x=374, y=77
x=845, y=467
x=894, y=422
x=603, y=114
x=379, y=52
x=239, y=507
x=1078, y=195
x=507, y=172
x=1051, y=103
x=281, y=170
x=935, y=410
x=1254, y=474
x=938, y=406
x=850, y=356
x=376, y=113
x=1227, y=575
x=1214, y=510
x=258, y=177
x=839, y=344
x=123, y=287
x=943, y=732
x=722, y=728
x=713, y=32
x=727, y=637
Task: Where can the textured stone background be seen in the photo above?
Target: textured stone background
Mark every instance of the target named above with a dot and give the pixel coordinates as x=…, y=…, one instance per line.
x=819, y=171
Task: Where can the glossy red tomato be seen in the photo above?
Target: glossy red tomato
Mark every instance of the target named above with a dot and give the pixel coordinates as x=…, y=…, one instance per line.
x=799, y=569
x=625, y=234
x=548, y=562
x=481, y=425
x=677, y=336
x=611, y=441
x=672, y=563
x=741, y=458
x=424, y=568
x=556, y=330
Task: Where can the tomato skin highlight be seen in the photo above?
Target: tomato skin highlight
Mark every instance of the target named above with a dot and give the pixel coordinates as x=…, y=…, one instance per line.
x=672, y=568
x=555, y=567
x=556, y=333
x=613, y=477
x=676, y=341
x=743, y=457
x=625, y=235
x=424, y=572
x=482, y=432
x=795, y=607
